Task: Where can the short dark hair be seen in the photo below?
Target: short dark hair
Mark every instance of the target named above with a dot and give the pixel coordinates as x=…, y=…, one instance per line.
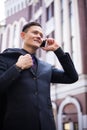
x=28, y=25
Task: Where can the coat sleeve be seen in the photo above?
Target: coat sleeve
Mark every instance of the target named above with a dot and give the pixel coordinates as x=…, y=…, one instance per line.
x=69, y=73
x=7, y=75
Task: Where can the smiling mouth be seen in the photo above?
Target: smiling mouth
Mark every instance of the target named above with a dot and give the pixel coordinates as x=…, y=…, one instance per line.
x=37, y=41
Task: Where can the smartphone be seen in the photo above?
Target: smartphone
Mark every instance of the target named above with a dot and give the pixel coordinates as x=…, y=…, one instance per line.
x=43, y=43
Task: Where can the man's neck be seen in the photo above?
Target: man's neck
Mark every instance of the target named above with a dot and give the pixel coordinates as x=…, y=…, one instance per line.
x=29, y=50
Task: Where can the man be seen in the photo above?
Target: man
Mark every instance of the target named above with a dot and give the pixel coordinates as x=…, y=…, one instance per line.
x=26, y=86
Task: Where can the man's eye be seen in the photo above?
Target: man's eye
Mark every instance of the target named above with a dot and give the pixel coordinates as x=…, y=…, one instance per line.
x=41, y=35
x=35, y=32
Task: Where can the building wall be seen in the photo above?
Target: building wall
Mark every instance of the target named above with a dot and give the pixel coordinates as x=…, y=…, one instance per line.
x=16, y=17
x=83, y=31
x=66, y=21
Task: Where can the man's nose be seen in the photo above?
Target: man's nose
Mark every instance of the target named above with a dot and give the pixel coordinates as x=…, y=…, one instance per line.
x=39, y=37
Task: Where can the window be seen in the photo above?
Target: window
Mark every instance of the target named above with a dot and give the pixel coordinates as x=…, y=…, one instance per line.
x=70, y=125
x=66, y=126
x=30, y=12
x=14, y=9
x=11, y=11
x=22, y=5
x=39, y=19
x=18, y=7
x=7, y=13
x=75, y=126
x=38, y=4
x=52, y=8
x=51, y=34
x=50, y=11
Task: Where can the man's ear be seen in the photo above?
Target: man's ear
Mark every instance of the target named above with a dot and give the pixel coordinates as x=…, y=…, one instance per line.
x=22, y=34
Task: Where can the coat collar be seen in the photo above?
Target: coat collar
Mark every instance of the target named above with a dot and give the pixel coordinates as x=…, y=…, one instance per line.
x=41, y=65
x=15, y=51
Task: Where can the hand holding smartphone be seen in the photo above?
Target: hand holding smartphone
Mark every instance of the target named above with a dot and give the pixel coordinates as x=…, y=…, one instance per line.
x=49, y=44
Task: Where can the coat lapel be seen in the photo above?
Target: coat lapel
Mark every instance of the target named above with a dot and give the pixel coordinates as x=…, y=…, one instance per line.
x=17, y=52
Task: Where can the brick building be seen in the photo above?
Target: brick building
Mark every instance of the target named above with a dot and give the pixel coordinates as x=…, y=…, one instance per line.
x=66, y=21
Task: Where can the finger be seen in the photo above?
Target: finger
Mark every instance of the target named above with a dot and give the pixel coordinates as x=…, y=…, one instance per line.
x=27, y=55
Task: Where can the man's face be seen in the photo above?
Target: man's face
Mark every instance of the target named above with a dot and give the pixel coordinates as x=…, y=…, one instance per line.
x=33, y=37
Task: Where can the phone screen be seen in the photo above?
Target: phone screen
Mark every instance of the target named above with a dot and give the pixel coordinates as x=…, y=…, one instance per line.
x=43, y=43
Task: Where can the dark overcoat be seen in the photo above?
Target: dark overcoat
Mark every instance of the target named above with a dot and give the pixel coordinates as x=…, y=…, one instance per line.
x=26, y=103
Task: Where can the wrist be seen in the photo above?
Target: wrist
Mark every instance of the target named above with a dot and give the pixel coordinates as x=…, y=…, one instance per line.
x=59, y=52
x=56, y=47
x=18, y=68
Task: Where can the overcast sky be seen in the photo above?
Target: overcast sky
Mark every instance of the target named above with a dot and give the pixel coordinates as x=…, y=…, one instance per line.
x=2, y=10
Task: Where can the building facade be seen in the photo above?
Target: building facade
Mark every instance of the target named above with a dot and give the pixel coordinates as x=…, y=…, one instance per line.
x=66, y=21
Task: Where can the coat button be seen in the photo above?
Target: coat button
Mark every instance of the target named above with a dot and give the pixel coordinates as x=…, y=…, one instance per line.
x=34, y=78
x=36, y=93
